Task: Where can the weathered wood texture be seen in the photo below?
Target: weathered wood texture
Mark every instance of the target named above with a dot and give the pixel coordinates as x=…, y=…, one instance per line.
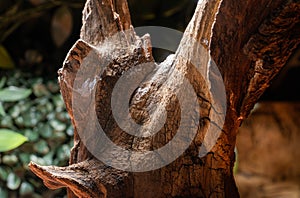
x=249, y=41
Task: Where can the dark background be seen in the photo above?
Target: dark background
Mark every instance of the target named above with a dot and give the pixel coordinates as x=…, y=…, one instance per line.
x=32, y=36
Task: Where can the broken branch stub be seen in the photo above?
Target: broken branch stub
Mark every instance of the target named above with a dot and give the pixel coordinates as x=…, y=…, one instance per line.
x=126, y=51
x=172, y=107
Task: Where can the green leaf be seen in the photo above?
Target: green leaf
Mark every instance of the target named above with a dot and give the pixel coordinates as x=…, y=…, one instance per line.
x=12, y=94
x=13, y=181
x=3, y=174
x=2, y=112
x=2, y=81
x=26, y=189
x=10, y=140
x=6, y=61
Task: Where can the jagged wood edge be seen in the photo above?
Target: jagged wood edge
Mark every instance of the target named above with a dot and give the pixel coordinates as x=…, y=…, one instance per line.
x=77, y=62
x=76, y=177
x=110, y=22
x=269, y=50
x=246, y=108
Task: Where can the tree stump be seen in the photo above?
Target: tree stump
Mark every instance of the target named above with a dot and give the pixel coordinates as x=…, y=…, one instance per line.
x=249, y=41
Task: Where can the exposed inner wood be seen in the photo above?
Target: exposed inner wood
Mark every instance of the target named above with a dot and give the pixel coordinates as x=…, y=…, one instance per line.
x=243, y=40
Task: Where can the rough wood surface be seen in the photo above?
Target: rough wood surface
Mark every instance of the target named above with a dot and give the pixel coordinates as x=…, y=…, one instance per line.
x=243, y=39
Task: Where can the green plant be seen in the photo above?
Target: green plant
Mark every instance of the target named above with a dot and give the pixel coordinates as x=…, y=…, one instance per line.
x=11, y=94
x=10, y=140
x=33, y=107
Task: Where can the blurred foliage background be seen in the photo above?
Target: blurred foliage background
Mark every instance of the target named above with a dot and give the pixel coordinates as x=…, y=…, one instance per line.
x=41, y=117
x=35, y=36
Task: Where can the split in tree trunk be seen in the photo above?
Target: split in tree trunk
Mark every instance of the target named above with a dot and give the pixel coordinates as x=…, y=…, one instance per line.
x=248, y=43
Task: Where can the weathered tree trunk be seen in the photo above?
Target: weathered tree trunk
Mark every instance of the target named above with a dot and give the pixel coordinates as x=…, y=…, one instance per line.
x=249, y=40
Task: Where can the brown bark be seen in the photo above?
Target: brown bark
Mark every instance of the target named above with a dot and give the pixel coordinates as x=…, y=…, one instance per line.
x=249, y=41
